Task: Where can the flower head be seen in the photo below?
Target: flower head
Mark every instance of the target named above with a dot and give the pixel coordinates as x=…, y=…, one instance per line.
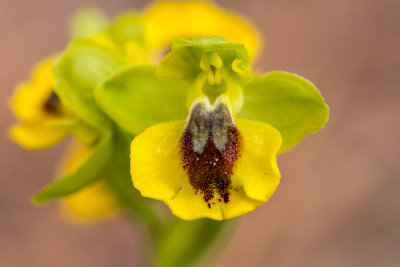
x=210, y=165
x=45, y=121
x=216, y=164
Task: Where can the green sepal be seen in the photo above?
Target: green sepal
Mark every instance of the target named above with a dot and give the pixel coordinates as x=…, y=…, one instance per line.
x=188, y=57
x=288, y=102
x=80, y=68
x=83, y=132
x=135, y=99
x=87, y=22
x=89, y=171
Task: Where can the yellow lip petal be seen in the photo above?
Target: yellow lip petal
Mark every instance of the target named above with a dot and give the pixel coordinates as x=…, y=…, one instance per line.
x=157, y=171
x=256, y=170
x=36, y=136
x=188, y=205
x=155, y=162
x=167, y=20
x=29, y=97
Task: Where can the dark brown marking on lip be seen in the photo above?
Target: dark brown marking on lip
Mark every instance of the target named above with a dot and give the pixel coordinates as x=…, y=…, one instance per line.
x=52, y=104
x=210, y=172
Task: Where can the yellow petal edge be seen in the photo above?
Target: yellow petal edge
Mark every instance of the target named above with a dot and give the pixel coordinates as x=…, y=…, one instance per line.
x=36, y=136
x=29, y=97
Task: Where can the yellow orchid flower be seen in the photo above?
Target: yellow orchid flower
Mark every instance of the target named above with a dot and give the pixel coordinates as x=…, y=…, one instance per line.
x=35, y=104
x=210, y=165
x=44, y=120
x=166, y=20
x=213, y=164
x=91, y=203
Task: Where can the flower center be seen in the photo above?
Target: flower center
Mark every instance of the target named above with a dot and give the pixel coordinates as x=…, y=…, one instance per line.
x=210, y=147
x=52, y=103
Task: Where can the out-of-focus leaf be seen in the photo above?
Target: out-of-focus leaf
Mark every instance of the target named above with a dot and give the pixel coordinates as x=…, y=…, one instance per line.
x=135, y=99
x=87, y=173
x=288, y=102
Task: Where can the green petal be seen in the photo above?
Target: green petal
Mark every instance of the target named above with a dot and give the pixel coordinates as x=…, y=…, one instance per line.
x=87, y=173
x=183, y=63
x=135, y=99
x=83, y=65
x=87, y=22
x=288, y=102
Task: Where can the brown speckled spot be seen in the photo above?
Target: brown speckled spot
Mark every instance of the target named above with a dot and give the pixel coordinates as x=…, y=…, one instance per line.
x=210, y=172
x=52, y=104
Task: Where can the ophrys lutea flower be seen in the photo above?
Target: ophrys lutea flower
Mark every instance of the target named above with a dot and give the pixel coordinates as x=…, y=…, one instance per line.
x=45, y=121
x=210, y=165
x=98, y=48
x=217, y=163
x=35, y=104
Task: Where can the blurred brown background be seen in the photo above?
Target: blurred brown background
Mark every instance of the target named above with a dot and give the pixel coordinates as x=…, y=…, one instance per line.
x=338, y=203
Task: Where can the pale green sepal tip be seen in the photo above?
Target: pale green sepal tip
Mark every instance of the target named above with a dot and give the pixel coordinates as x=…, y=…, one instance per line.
x=89, y=171
x=135, y=99
x=288, y=102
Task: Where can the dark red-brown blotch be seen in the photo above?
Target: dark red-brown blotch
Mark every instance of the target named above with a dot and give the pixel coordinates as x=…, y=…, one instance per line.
x=52, y=104
x=210, y=172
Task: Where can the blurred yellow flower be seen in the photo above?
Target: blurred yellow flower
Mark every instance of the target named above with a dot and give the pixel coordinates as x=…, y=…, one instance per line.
x=95, y=201
x=166, y=20
x=209, y=165
x=44, y=120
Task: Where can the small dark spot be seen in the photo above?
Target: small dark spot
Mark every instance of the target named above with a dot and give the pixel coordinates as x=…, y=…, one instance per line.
x=52, y=103
x=219, y=199
x=226, y=198
x=209, y=205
